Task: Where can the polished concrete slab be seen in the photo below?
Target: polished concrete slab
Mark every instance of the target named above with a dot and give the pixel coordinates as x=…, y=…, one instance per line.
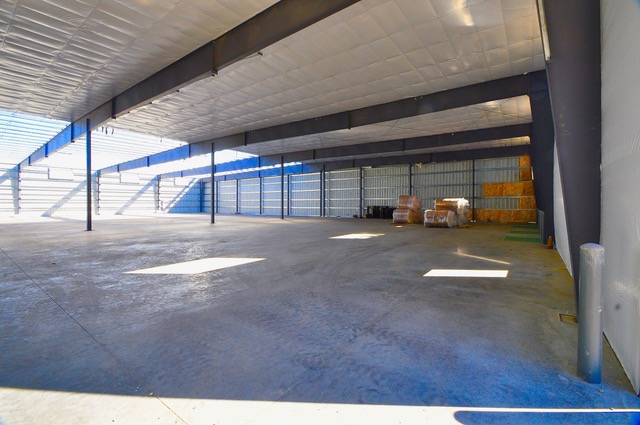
x=313, y=329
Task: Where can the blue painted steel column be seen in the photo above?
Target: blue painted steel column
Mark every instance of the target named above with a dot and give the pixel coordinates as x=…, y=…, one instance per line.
x=213, y=183
x=575, y=87
x=282, y=187
x=88, y=151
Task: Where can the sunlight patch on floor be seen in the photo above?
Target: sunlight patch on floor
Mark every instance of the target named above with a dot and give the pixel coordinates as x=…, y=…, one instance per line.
x=197, y=266
x=466, y=273
x=358, y=236
x=60, y=407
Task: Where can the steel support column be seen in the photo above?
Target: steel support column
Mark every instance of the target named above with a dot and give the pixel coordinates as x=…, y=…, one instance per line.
x=473, y=190
x=260, y=181
x=574, y=85
x=213, y=183
x=288, y=194
x=361, y=192
x=238, y=196
x=88, y=152
x=322, y=183
x=542, y=145
x=282, y=187
x=410, y=179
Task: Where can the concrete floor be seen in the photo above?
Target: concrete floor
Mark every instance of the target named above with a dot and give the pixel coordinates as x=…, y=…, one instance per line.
x=320, y=331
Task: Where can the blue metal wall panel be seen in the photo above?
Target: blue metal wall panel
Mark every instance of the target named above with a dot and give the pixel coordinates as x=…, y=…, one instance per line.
x=179, y=195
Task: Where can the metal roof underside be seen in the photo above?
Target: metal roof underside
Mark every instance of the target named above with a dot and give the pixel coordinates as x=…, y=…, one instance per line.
x=62, y=58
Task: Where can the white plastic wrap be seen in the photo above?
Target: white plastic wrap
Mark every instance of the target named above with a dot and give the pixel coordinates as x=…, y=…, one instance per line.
x=620, y=179
x=459, y=206
x=440, y=218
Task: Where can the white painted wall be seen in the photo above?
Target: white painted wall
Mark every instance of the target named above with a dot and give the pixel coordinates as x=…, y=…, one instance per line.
x=621, y=179
x=559, y=217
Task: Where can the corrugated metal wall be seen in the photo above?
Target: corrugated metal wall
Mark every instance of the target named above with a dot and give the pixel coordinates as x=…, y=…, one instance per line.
x=206, y=197
x=48, y=190
x=125, y=193
x=226, y=197
x=180, y=195
x=8, y=189
x=444, y=180
x=383, y=185
x=499, y=170
x=249, y=191
x=342, y=193
x=304, y=192
x=271, y=196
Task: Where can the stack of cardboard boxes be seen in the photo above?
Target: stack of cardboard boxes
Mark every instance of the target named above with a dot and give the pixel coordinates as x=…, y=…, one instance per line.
x=408, y=211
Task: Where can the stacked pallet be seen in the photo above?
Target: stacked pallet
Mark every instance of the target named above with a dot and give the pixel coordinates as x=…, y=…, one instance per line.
x=448, y=212
x=408, y=210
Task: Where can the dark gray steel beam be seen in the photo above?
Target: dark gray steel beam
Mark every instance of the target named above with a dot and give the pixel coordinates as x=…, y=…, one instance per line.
x=464, y=96
x=574, y=85
x=542, y=146
x=406, y=146
x=449, y=99
x=319, y=166
x=279, y=21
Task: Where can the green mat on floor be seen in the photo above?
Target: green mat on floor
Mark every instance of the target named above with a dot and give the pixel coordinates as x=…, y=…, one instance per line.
x=525, y=226
x=524, y=232
x=522, y=239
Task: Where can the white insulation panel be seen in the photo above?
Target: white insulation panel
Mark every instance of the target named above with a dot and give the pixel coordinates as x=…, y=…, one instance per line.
x=620, y=178
x=559, y=216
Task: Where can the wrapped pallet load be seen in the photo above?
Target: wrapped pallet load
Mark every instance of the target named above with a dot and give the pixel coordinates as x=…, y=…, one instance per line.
x=409, y=202
x=440, y=218
x=405, y=215
x=459, y=207
x=408, y=210
x=462, y=209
